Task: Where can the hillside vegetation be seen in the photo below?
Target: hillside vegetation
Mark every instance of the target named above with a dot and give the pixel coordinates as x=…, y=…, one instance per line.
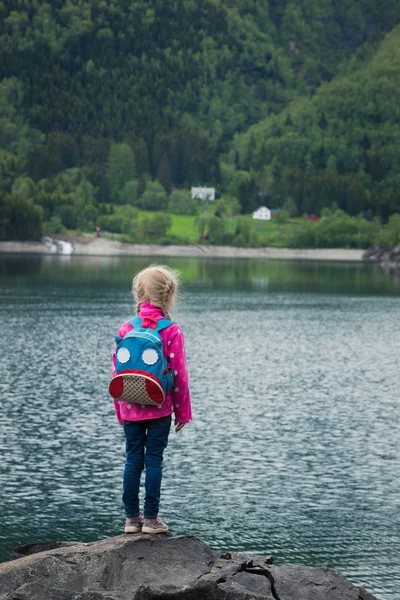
x=340, y=145
x=108, y=102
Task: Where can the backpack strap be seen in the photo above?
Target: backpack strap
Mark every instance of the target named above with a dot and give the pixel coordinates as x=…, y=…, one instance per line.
x=136, y=322
x=163, y=324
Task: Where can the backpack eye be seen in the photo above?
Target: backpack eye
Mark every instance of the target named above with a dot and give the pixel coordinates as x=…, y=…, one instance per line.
x=123, y=355
x=150, y=357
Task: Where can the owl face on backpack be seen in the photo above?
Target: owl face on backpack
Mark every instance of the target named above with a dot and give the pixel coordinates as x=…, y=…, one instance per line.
x=143, y=375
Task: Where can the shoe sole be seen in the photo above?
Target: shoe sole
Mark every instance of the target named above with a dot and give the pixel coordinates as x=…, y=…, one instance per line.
x=150, y=530
x=133, y=529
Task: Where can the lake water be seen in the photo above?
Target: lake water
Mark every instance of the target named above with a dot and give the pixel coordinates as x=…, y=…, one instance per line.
x=294, y=446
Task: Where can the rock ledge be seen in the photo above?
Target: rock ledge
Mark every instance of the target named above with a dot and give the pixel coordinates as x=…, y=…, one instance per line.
x=389, y=259
x=139, y=567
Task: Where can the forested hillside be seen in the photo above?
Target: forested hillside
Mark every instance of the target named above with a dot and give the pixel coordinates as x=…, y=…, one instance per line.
x=340, y=145
x=295, y=102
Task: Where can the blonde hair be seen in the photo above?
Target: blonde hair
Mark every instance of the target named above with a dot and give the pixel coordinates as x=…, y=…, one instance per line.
x=158, y=285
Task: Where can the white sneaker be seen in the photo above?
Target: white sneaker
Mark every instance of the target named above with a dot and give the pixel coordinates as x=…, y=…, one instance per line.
x=154, y=526
x=134, y=524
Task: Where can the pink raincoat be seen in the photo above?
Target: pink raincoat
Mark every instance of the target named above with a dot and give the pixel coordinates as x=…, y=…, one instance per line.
x=178, y=399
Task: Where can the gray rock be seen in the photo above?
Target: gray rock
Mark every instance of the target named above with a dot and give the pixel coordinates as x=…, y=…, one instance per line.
x=308, y=583
x=364, y=595
x=389, y=259
x=243, y=585
x=27, y=549
x=395, y=253
x=139, y=567
x=373, y=253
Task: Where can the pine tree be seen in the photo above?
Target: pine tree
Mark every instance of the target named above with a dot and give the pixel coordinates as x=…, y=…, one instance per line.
x=120, y=169
x=322, y=122
x=164, y=173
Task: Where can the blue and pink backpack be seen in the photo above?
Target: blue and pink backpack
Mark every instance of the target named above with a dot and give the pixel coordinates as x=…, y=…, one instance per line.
x=143, y=375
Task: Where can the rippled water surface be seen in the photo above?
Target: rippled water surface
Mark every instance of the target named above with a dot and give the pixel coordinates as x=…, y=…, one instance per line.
x=294, y=446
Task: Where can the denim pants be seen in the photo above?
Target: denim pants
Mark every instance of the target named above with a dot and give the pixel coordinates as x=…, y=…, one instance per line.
x=145, y=444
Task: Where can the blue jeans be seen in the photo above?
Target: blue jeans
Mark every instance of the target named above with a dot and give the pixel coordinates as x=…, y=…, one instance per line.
x=145, y=444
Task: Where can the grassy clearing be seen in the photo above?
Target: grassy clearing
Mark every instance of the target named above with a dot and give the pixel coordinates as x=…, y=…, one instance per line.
x=273, y=233
x=185, y=227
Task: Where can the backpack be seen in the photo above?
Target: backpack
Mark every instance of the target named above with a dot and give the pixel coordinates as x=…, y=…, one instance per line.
x=142, y=373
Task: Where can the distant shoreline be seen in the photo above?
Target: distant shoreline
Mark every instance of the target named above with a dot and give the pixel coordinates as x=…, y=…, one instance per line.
x=86, y=246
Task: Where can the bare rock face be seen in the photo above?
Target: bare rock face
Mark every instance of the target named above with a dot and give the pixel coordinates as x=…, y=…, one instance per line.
x=389, y=259
x=142, y=567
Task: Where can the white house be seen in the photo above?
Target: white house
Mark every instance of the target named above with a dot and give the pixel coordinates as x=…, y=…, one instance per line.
x=262, y=214
x=203, y=193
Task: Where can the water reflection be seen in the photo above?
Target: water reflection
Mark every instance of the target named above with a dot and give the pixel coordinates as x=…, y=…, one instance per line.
x=204, y=273
x=20, y=266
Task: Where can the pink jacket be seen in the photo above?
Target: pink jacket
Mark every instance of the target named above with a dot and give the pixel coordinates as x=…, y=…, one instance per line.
x=178, y=399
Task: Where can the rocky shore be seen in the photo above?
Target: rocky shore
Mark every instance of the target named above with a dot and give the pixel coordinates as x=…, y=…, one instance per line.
x=89, y=246
x=389, y=259
x=140, y=567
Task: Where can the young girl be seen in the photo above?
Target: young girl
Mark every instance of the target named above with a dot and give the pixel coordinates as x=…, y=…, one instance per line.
x=147, y=427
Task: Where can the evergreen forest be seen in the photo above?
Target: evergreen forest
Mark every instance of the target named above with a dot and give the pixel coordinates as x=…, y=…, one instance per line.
x=111, y=110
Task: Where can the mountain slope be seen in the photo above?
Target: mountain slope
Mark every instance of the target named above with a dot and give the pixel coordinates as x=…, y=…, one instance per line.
x=339, y=145
x=177, y=81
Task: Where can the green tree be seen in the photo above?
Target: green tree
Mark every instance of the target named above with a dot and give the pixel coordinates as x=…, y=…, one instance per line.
x=389, y=236
x=23, y=188
x=283, y=216
x=154, y=197
x=120, y=169
x=243, y=232
x=323, y=123
x=291, y=208
x=111, y=223
x=216, y=230
x=228, y=206
x=129, y=194
x=182, y=203
x=243, y=187
x=155, y=227
x=59, y=152
x=20, y=219
x=164, y=175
